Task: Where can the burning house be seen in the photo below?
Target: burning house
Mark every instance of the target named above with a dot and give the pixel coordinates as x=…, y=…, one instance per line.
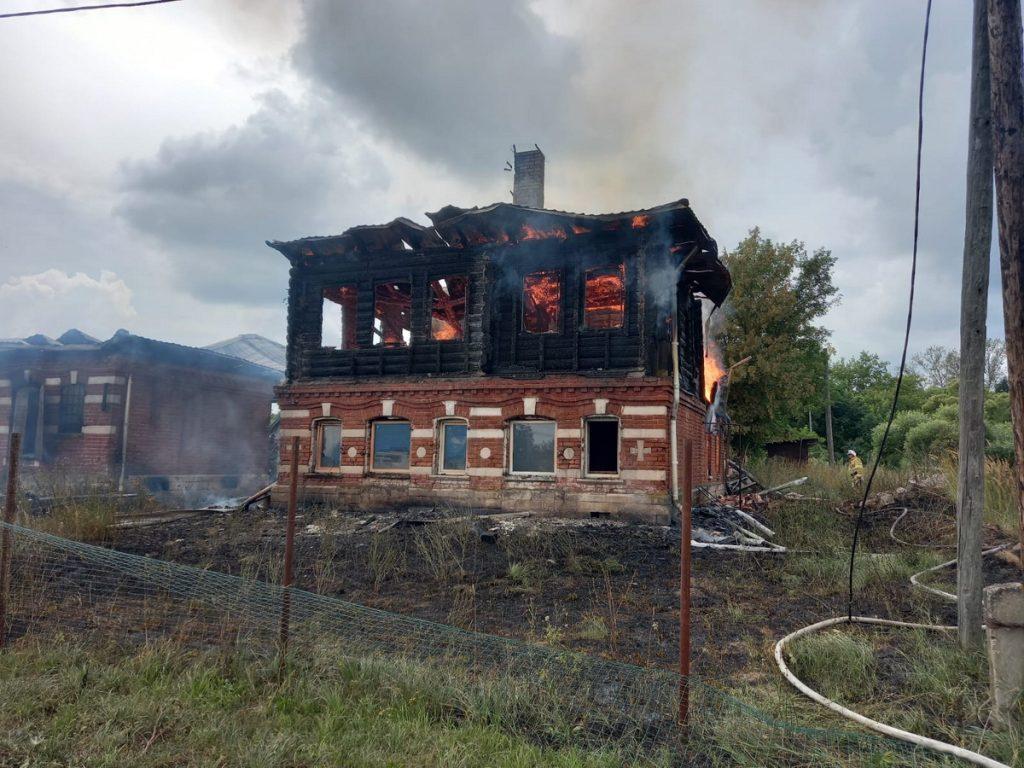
x=509, y=356
x=136, y=411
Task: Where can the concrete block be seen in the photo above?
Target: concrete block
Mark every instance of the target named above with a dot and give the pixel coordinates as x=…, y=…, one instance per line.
x=1004, y=622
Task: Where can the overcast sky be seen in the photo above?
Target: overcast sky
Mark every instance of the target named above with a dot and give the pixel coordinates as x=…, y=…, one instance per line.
x=147, y=154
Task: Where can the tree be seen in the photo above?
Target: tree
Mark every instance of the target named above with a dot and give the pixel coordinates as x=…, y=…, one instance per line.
x=939, y=366
x=995, y=362
x=779, y=293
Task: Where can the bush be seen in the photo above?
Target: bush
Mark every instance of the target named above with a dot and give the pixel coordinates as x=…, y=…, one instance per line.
x=999, y=441
x=997, y=407
x=929, y=439
x=933, y=402
x=904, y=422
x=948, y=413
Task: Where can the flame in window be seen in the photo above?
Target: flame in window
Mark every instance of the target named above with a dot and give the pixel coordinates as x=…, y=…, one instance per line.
x=542, y=302
x=448, y=308
x=713, y=371
x=604, y=298
x=532, y=233
x=640, y=221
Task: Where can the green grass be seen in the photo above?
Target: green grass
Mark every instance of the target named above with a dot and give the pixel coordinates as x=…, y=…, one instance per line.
x=68, y=703
x=917, y=680
x=1000, y=493
x=825, y=481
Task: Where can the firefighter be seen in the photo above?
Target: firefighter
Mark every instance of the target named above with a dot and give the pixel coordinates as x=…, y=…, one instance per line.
x=856, y=467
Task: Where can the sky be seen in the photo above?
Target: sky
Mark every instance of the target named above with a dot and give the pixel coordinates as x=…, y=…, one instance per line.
x=147, y=154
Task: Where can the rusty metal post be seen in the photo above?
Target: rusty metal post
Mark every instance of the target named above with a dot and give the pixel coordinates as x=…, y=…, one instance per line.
x=7, y=535
x=685, y=532
x=289, y=545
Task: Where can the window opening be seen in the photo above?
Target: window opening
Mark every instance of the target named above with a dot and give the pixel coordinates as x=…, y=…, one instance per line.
x=338, y=328
x=448, y=308
x=26, y=418
x=602, y=446
x=453, y=446
x=533, y=446
x=71, y=414
x=392, y=313
x=542, y=302
x=328, y=444
x=604, y=298
x=391, y=440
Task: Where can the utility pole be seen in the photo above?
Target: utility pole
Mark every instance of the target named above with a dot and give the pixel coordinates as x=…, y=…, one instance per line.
x=970, y=503
x=1005, y=47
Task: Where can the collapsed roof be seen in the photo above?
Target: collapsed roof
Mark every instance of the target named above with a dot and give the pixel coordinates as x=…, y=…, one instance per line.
x=501, y=224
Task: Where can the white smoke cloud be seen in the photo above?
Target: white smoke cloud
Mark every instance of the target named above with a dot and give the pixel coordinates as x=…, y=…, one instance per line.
x=52, y=301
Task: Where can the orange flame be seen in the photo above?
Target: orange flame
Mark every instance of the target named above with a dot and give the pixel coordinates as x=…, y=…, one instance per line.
x=640, y=221
x=713, y=371
x=531, y=233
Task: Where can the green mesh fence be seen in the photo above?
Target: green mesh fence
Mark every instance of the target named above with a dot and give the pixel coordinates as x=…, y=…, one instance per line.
x=543, y=694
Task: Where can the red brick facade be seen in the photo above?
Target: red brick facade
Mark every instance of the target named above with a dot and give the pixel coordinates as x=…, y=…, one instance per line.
x=186, y=425
x=642, y=406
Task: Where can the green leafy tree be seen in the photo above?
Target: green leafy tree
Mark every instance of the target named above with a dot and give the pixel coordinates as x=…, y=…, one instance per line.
x=780, y=292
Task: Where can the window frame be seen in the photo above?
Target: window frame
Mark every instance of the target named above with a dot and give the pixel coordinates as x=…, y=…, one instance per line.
x=373, y=448
x=324, y=299
x=621, y=266
x=430, y=309
x=316, y=446
x=443, y=424
x=408, y=280
x=64, y=407
x=512, y=449
x=587, y=472
x=560, y=329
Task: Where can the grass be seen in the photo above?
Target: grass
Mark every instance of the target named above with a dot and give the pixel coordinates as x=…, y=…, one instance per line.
x=825, y=481
x=918, y=680
x=69, y=703
x=1000, y=492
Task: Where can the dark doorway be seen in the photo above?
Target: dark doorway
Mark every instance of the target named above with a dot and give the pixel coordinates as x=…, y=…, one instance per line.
x=602, y=446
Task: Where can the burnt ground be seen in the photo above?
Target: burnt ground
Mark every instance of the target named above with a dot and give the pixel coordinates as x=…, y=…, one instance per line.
x=596, y=586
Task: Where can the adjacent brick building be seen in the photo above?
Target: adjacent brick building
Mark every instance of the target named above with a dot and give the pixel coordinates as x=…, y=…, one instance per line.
x=505, y=357
x=136, y=411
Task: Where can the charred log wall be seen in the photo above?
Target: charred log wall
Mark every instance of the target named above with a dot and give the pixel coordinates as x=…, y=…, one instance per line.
x=495, y=340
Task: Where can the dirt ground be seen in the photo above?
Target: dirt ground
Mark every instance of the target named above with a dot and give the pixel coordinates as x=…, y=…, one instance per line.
x=592, y=585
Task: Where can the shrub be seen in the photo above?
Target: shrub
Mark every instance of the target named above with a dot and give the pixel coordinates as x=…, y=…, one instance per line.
x=933, y=402
x=999, y=441
x=931, y=438
x=948, y=413
x=997, y=407
x=904, y=422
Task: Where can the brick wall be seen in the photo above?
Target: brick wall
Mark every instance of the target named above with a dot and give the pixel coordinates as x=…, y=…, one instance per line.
x=183, y=421
x=642, y=406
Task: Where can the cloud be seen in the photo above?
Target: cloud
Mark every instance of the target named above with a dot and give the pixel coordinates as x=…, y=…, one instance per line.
x=211, y=200
x=456, y=81
x=53, y=301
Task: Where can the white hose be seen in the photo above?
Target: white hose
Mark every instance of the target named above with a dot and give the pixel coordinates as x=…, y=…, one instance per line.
x=915, y=580
x=888, y=730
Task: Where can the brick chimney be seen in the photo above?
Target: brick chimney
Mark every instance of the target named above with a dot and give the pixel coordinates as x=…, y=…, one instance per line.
x=528, y=182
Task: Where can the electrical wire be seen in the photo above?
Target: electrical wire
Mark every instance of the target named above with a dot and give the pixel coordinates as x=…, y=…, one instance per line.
x=73, y=9
x=910, y=316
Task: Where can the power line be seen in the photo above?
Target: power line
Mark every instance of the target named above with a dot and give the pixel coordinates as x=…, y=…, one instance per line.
x=85, y=8
x=910, y=313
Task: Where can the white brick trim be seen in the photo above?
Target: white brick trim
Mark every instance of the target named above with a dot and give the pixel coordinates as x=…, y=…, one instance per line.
x=112, y=398
x=423, y=434
x=294, y=433
x=485, y=471
x=4, y=429
x=568, y=434
x=299, y=413
x=354, y=432
x=484, y=411
x=642, y=474
x=600, y=406
x=644, y=410
x=449, y=407
x=420, y=470
x=52, y=400
x=54, y=382
x=5, y=401
x=5, y=383
x=105, y=380
x=529, y=406
x=387, y=407
x=100, y=429
x=350, y=469
x=485, y=434
x=325, y=408
x=644, y=434
x=572, y=473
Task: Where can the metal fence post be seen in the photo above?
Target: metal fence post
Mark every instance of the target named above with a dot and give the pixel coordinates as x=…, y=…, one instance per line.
x=7, y=535
x=289, y=545
x=685, y=532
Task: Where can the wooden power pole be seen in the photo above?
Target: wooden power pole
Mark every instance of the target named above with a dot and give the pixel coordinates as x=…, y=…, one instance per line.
x=828, y=415
x=1005, y=48
x=970, y=503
